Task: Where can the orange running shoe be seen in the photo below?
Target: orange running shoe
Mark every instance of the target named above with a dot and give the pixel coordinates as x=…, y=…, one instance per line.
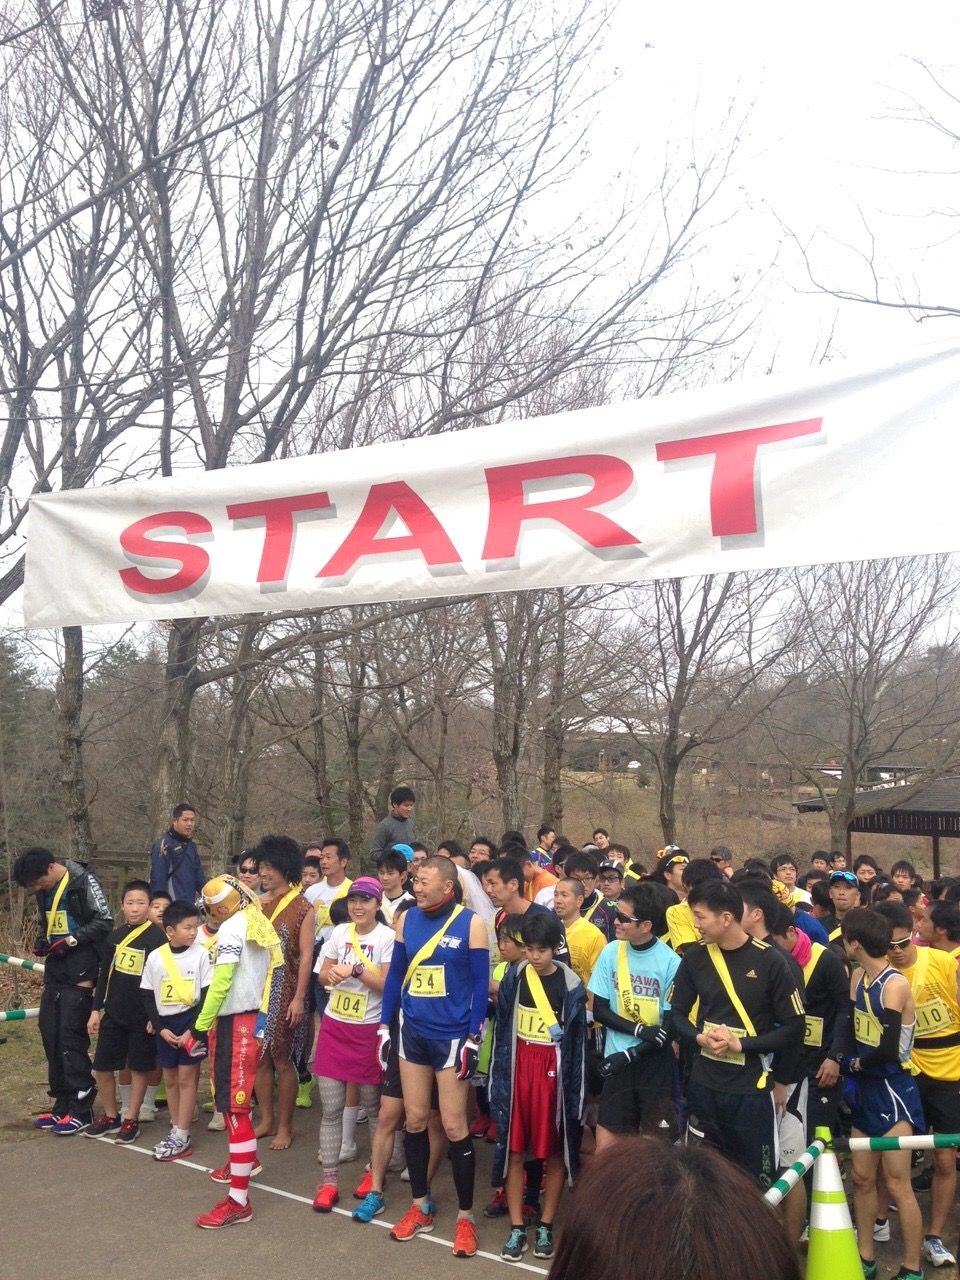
x=465, y=1238
x=363, y=1187
x=327, y=1196
x=412, y=1223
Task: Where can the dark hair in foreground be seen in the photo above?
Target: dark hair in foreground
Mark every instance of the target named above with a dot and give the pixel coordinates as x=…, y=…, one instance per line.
x=703, y=1219
x=649, y=902
x=135, y=886
x=178, y=911
x=718, y=896
x=31, y=865
x=871, y=929
x=541, y=929
x=281, y=853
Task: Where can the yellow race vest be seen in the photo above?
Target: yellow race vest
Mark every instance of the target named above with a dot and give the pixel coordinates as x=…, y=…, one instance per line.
x=936, y=1045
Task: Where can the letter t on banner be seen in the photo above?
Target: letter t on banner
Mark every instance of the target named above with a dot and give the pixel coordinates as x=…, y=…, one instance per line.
x=733, y=489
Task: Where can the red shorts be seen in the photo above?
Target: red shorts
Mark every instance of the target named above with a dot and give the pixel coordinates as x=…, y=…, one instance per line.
x=534, y=1120
x=234, y=1053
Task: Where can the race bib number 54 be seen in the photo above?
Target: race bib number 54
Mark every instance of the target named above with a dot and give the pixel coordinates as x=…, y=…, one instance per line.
x=429, y=980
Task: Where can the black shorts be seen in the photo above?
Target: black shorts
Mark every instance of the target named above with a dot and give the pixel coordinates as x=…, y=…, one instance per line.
x=941, y=1103
x=390, y=1088
x=119, y=1047
x=742, y=1126
x=635, y=1100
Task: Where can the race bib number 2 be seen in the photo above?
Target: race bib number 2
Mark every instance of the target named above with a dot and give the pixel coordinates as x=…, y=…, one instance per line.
x=429, y=980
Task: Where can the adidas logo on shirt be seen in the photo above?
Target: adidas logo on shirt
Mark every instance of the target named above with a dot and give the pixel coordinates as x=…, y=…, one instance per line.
x=751, y=973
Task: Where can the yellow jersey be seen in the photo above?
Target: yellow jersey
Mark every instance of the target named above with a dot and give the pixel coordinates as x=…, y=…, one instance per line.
x=585, y=942
x=936, y=1044
x=681, y=929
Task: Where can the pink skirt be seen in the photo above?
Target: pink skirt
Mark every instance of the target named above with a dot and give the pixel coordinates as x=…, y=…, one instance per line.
x=347, y=1051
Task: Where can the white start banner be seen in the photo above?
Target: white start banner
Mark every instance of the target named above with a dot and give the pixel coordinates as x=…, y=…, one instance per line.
x=845, y=465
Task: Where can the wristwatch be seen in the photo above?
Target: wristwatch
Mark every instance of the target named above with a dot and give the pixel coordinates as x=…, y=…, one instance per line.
x=357, y=969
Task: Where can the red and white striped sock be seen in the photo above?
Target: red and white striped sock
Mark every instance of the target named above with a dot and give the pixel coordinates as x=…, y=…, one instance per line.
x=243, y=1152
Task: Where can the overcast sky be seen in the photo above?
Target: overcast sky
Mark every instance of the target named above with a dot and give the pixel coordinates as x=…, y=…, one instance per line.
x=826, y=87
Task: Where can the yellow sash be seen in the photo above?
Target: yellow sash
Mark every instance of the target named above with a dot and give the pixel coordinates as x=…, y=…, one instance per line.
x=723, y=973
x=813, y=1029
x=358, y=950
x=284, y=902
x=57, y=926
x=174, y=988
x=588, y=915
x=645, y=1009
x=539, y=1025
x=126, y=958
x=433, y=984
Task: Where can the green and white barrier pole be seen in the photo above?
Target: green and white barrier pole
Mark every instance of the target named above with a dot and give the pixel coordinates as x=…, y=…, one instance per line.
x=919, y=1142
x=22, y=964
x=18, y=1015
x=791, y=1176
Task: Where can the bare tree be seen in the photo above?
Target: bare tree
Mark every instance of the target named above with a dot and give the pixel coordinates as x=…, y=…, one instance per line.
x=873, y=680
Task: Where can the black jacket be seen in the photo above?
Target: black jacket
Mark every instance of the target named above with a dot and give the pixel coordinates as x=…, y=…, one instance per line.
x=86, y=905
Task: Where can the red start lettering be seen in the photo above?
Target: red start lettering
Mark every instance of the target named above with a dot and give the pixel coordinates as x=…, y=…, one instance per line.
x=733, y=489
x=611, y=477
x=193, y=561
x=277, y=515
x=426, y=534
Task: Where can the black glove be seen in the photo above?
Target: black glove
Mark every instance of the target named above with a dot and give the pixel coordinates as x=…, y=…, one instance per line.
x=468, y=1055
x=652, y=1037
x=615, y=1062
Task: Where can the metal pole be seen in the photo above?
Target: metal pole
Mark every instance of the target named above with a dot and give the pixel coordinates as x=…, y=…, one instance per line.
x=918, y=1142
x=18, y=1015
x=22, y=964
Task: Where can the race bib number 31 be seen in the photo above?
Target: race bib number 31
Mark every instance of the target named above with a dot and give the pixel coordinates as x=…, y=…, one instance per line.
x=429, y=980
x=866, y=1028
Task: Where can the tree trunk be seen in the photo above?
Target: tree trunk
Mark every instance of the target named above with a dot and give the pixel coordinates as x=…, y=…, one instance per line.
x=172, y=756
x=70, y=745
x=235, y=772
x=322, y=784
x=554, y=725
x=668, y=770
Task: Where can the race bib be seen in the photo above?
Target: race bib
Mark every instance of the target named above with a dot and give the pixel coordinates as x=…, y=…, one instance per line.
x=351, y=1005
x=933, y=1018
x=129, y=960
x=813, y=1032
x=168, y=993
x=732, y=1059
x=57, y=924
x=866, y=1028
x=530, y=1026
x=428, y=980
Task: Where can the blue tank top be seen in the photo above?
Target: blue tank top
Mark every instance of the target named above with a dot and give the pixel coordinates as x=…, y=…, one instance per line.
x=867, y=1012
x=437, y=1000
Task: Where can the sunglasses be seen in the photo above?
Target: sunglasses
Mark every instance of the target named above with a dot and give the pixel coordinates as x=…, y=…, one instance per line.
x=900, y=944
x=718, y=859
x=248, y=871
x=847, y=877
x=622, y=919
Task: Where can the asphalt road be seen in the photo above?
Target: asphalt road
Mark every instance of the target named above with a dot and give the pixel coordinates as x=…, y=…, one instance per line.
x=94, y=1211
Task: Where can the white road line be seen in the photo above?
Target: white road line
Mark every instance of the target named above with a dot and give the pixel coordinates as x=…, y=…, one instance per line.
x=257, y=1185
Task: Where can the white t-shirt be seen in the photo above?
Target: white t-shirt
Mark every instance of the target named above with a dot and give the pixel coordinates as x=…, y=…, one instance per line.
x=377, y=946
x=389, y=905
x=545, y=897
x=194, y=966
x=253, y=964
x=320, y=896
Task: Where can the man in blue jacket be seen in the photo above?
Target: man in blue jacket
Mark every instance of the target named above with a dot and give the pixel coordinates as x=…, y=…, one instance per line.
x=174, y=861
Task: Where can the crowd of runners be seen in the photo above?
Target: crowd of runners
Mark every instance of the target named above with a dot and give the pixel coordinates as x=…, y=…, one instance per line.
x=546, y=998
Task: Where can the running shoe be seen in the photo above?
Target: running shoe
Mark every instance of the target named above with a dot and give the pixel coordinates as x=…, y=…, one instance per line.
x=103, y=1125
x=173, y=1148
x=348, y=1152
x=225, y=1214
x=404, y=1174
x=223, y=1173
x=147, y=1114
x=69, y=1125
x=363, y=1187
x=516, y=1245
x=371, y=1207
x=413, y=1222
x=47, y=1120
x=497, y=1208
x=327, y=1196
x=934, y=1251
x=464, y=1238
x=479, y=1127
x=362, y=1116
x=129, y=1132
x=869, y=1269
x=304, y=1094
x=543, y=1246
x=881, y=1230
x=923, y=1181
x=216, y=1123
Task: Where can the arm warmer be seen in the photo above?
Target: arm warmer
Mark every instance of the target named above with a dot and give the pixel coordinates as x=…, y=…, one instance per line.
x=683, y=1029
x=223, y=975
x=603, y=1014
x=843, y=1041
x=394, y=983
x=150, y=1007
x=480, y=975
x=888, y=1050
x=775, y=1041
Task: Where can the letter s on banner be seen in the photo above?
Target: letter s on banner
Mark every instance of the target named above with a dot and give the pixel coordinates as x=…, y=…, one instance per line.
x=137, y=544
